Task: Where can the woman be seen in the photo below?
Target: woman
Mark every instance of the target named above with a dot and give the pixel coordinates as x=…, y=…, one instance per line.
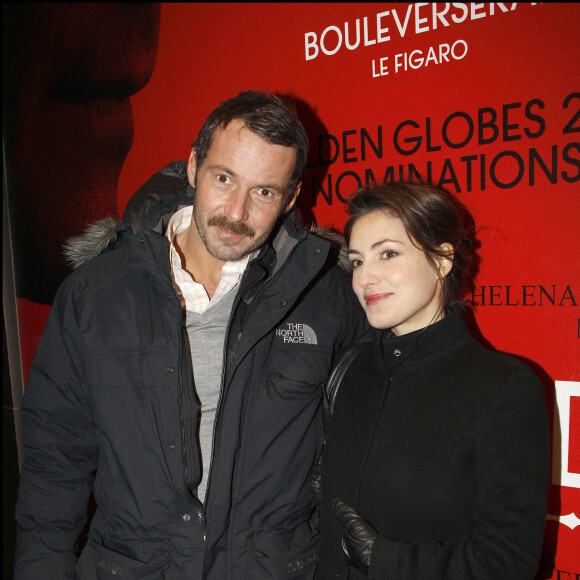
x=436, y=461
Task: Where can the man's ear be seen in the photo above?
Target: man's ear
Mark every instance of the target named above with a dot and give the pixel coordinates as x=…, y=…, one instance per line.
x=191, y=168
x=445, y=262
x=292, y=200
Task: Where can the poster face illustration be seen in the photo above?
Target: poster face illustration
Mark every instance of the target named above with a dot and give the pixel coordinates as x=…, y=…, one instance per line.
x=69, y=73
x=481, y=99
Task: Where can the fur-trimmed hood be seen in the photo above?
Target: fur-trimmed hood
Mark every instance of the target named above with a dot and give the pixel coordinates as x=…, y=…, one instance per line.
x=95, y=239
x=104, y=233
x=156, y=201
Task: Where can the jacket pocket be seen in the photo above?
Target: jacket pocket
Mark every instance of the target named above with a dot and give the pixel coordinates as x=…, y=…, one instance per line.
x=284, y=553
x=134, y=561
x=291, y=389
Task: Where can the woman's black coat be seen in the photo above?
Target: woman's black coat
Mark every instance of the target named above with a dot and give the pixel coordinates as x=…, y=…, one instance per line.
x=443, y=446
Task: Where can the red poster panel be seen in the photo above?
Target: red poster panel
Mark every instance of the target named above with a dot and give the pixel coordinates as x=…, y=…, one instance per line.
x=480, y=98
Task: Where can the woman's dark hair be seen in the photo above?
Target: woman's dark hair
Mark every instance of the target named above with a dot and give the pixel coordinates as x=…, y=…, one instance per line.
x=431, y=217
x=265, y=115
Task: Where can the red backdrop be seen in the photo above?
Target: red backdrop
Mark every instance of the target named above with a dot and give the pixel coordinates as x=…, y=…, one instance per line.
x=483, y=99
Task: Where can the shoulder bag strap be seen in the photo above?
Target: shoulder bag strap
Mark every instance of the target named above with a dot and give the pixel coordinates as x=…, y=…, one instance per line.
x=337, y=374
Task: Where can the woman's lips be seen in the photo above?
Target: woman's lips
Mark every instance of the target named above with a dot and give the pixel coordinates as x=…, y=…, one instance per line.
x=372, y=299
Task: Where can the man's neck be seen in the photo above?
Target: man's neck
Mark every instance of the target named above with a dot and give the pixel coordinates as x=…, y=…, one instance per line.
x=202, y=266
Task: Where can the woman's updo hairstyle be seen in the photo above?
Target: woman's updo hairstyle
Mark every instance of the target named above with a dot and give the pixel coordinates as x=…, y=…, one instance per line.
x=431, y=217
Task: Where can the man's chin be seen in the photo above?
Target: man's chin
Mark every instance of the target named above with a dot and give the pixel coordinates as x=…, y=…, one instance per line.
x=230, y=253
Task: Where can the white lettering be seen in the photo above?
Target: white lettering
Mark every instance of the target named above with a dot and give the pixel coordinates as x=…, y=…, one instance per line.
x=475, y=6
x=383, y=69
x=435, y=55
x=346, y=35
x=381, y=30
x=415, y=63
x=431, y=56
x=376, y=28
x=501, y=6
x=398, y=22
x=443, y=52
x=294, y=339
x=367, y=41
x=455, y=56
x=311, y=36
x=461, y=6
x=326, y=31
x=440, y=15
x=398, y=64
x=418, y=19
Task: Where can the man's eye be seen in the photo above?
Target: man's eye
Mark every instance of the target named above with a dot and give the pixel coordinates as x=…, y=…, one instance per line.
x=222, y=178
x=263, y=195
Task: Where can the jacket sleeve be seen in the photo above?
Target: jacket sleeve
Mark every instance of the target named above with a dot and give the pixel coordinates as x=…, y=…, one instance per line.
x=512, y=458
x=60, y=452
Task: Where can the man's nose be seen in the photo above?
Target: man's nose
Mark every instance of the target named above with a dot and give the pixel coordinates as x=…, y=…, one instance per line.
x=237, y=206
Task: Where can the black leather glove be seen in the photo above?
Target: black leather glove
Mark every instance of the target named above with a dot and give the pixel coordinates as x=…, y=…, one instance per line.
x=359, y=536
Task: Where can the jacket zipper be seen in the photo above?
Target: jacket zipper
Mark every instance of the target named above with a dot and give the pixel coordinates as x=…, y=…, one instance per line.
x=380, y=408
x=225, y=361
x=194, y=501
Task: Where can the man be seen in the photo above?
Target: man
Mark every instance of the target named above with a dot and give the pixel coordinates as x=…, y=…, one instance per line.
x=180, y=373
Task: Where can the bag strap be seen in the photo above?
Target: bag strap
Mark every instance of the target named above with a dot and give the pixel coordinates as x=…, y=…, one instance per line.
x=337, y=374
x=330, y=393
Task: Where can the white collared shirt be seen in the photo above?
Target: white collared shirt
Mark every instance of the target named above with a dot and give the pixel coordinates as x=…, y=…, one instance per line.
x=193, y=294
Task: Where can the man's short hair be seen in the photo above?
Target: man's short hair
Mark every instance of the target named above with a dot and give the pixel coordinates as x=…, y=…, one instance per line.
x=265, y=115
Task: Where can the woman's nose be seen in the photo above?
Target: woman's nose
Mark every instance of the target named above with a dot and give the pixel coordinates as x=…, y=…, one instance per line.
x=365, y=276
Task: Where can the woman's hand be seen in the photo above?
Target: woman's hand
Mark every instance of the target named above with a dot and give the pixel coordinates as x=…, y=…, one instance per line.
x=359, y=536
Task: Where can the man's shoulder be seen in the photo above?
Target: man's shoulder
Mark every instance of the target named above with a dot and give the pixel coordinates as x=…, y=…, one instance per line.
x=105, y=254
x=162, y=190
x=160, y=196
x=96, y=239
x=331, y=283
x=337, y=248
x=117, y=274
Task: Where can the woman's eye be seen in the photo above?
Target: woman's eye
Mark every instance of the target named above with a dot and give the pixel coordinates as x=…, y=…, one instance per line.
x=388, y=254
x=355, y=263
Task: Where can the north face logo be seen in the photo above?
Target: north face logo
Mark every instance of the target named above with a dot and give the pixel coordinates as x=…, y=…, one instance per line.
x=297, y=333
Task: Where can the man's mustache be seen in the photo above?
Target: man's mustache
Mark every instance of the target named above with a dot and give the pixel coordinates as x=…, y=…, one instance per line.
x=224, y=223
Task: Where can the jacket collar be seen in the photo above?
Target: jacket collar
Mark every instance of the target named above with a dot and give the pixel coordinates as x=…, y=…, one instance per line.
x=424, y=345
